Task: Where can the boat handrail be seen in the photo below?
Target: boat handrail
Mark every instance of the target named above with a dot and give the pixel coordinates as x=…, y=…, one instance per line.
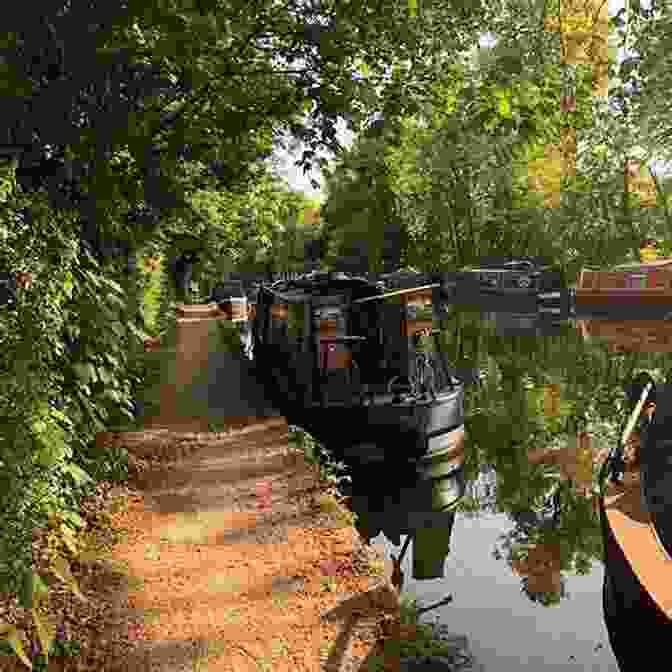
x=288, y=298
x=396, y=293
x=342, y=339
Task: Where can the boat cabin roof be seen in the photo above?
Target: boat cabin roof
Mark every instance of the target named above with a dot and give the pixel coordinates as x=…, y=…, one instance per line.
x=322, y=284
x=509, y=263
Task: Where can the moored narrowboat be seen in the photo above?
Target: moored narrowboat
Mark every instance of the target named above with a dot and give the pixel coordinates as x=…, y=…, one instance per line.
x=636, y=521
x=517, y=277
x=646, y=284
x=343, y=366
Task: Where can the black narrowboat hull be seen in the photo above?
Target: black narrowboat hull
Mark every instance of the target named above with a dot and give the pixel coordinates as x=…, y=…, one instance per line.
x=634, y=621
x=637, y=531
x=369, y=412
x=539, y=286
x=416, y=429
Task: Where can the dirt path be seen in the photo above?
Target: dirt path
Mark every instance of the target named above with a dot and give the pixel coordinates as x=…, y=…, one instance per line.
x=232, y=560
x=204, y=385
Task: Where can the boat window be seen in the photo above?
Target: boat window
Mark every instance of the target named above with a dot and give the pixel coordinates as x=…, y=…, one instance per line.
x=329, y=313
x=491, y=278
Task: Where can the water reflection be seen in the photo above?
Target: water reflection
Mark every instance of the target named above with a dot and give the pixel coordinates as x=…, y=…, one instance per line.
x=543, y=406
x=422, y=508
x=508, y=525
x=393, y=500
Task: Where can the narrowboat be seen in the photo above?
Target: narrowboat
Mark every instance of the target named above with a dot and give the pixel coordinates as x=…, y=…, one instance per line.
x=635, y=285
x=407, y=279
x=231, y=299
x=340, y=361
x=636, y=522
x=525, y=277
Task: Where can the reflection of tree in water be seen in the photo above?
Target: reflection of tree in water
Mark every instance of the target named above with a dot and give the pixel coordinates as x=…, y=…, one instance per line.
x=481, y=493
x=539, y=419
x=540, y=568
x=548, y=543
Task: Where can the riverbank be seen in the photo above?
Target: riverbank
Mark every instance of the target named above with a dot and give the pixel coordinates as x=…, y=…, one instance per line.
x=222, y=550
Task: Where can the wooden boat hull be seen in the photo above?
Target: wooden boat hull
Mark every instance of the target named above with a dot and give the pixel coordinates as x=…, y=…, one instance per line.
x=637, y=530
x=635, y=622
x=646, y=284
x=621, y=297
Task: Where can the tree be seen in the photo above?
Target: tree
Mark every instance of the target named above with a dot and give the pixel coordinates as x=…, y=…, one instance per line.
x=364, y=231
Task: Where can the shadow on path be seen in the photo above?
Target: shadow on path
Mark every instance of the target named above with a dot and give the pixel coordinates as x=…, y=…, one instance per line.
x=204, y=387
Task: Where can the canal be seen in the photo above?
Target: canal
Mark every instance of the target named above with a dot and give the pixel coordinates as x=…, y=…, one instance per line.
x=523, y=561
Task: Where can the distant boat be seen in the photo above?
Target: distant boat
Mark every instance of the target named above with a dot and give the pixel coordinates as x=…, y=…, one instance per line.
x=636, y=521
x=636, y=284
x=343, y=366
x=523, y=277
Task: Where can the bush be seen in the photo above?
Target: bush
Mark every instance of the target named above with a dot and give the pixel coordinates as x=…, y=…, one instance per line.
x=69, y=361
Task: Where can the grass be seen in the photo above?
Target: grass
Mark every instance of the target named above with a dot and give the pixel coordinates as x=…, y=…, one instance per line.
x=60, y=648
x=326, y=503
x=424, y=643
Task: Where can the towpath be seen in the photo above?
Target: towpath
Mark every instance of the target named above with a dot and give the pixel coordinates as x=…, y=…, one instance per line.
x=233, y=558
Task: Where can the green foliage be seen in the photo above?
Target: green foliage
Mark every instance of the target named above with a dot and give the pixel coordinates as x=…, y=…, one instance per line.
x=330, y=470
x=46, y=450
x=151, y=298
x=229, y=335
x=453, y=175
x=59, y=648
x=515, y=373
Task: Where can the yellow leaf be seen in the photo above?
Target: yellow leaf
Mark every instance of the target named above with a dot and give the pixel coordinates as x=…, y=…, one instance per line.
x=61, y=568
x=413, y=7
x=648, y=254
x=12, y=635
x=552, y=400
x=68, y=539
x=45, y=633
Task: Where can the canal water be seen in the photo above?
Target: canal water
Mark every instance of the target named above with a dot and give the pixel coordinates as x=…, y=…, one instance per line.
x=523, y=562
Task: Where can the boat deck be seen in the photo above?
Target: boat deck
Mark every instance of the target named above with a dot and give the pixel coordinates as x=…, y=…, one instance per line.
x=631, y=526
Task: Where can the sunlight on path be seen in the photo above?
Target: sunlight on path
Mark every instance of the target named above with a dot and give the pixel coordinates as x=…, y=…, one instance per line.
x=236, y=564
